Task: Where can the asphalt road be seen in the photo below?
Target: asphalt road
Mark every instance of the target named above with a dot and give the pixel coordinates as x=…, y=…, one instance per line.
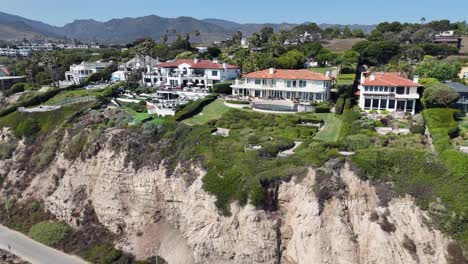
x=32, y=251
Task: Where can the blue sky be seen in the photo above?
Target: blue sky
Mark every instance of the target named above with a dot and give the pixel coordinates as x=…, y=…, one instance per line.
x=60, y=12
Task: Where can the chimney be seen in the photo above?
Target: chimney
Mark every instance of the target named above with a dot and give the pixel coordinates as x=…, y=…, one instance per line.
x=372, y=76
x=272, y=71
x=215, y=61
x=225, y=65
x=416, y=79
x=328, y=74
x=195, y=60
x=363, y=78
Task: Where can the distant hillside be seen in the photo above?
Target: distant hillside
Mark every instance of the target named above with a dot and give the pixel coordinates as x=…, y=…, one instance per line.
x=126, y=30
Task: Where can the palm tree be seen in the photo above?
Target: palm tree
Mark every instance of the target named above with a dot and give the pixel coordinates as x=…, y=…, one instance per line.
x=50, y=61
x=164, y=38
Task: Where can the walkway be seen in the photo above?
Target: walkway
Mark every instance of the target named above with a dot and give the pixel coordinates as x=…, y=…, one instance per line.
x=32, y=251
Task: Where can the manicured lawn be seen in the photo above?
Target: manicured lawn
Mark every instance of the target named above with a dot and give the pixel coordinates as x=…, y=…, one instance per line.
x=212, y=111
x=322, y=70
x=345, y=79
x=67, y=95
x=331, y=131
x=139, y=117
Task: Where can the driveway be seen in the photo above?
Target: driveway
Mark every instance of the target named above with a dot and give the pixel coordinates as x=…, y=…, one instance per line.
x=32, y=251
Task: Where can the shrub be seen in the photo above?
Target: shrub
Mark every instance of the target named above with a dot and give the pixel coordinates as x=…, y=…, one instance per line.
x=103, y=254
x=409, y=244
x=194, y=108
x=418, y=129
x=237, y=102
x=384, y=112
x=27, y=128
x=7, y=149
x=222, y=88
x=357, y=142
x=439, y=95
x=50, y=233
x=372, y=111
x=16, y=88
x=324, y=108
x=339, y=105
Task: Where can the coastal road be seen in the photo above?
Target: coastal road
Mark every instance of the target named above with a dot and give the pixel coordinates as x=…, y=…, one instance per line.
x=32, y=251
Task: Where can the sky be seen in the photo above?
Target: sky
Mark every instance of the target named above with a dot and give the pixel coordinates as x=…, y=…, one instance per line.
x=60, y=12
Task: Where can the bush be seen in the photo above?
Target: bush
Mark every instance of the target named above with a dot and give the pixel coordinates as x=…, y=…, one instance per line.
x=103, y=254
x=222, y=88
x=322, y=108
x=339, y=105
x=27, y=128
x=357, y=142
x=50, y=233
x=418, y=129
x=237, y=102
x=16, y=88
x=439, y=95
x=194, y=108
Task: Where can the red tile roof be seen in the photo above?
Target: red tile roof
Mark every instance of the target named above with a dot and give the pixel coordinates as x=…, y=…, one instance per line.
x=201, y=64
x=391, y=79
x=4, y=70
x=151, y=107
x=288, y=75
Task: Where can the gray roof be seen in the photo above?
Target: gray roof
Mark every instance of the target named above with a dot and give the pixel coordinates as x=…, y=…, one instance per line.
x=461, y=88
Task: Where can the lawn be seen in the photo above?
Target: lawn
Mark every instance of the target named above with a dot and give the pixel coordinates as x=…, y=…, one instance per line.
x=67, y=95
x=345, y=79
x=140, y=117
x=323, y=70
x=331, y=131
x=212, y=111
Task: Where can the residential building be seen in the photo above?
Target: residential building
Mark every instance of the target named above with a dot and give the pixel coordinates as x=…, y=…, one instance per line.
x=462, y=89
x=78, y=73
x=184, y=73
x=464, y=72
x=291, y=85
x=137, y=63
x=6, y=80
x=388, y=91
x=450, y=41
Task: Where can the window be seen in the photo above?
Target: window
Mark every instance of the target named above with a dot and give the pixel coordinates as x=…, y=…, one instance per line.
x=264, y=82
x=380, y=88
x=385, y=89
x=383, y=104
x=392, y=89
x=391, y=104
x=214, y=73
x=294, y=83
x=273, y=82
x=302, y=83
x=258, y=81
x=288, y=83
x=407, y=90
x=366, y=88
x=319, y=96
x=409, y=106
x=400, y=90
x=367, y=104
x=375, y=103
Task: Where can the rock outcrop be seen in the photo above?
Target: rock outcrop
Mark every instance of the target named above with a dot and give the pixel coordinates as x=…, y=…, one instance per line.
x=155, y=214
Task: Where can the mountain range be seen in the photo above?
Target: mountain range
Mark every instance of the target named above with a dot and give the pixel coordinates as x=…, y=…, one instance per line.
x=126, y=30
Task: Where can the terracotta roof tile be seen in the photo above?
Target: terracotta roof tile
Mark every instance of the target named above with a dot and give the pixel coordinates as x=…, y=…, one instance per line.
x=390, y=79
x=288, y=75
x=201, y=64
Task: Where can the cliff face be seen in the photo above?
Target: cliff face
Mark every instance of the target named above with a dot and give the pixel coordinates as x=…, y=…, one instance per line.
x=174, y=218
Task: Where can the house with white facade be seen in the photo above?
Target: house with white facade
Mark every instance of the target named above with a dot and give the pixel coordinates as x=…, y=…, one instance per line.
x=190, y=73
x=388, y=91
x=289, y=85
x=78, y=73
x=145, y=63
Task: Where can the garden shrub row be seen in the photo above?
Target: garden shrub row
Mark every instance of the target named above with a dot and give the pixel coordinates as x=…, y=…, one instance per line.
x=194, y=108
x=237, y=102
x=222, y=88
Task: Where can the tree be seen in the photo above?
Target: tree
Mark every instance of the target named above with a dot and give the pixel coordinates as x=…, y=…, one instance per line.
x=255, y=40
x=266, y=33
x=237, y=37
x=213, y=52
x=347, y=32
x=311, y=49
x=50, y=61
x=350, y=58
x=359, y=33
x=439, y=95
x=413, y=53
x=326, y=56
x=294, y=59
x=164, y=38
x=439, y=70
x=423, y=35
x=377, y=53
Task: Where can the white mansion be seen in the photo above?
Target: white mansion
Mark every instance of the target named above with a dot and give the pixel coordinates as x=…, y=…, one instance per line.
x=145, y=63
x=303, y=85
x=78, y=73
x=195, y=72
x=388, y=91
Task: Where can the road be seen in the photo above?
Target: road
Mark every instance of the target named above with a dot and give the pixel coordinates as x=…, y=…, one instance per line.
x=32, y=251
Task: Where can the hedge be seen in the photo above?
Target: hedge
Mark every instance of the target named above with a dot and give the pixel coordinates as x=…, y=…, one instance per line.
x=194, y=108
x=237, y=102
x=222, y=88
x=339, y=105
x=16, y=88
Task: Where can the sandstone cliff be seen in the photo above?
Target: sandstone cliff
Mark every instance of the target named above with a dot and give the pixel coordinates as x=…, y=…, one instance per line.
x=169, y=216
